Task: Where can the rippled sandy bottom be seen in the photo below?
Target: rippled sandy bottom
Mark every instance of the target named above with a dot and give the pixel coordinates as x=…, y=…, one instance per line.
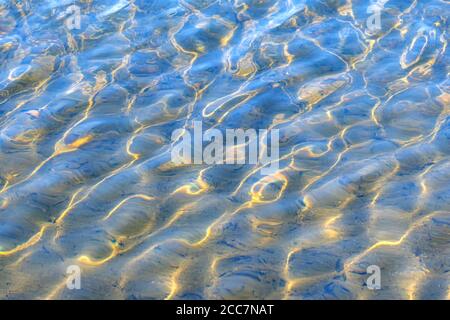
x=86, y=118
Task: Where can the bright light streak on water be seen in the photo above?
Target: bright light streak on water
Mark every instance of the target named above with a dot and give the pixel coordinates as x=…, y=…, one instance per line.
x=88, y=106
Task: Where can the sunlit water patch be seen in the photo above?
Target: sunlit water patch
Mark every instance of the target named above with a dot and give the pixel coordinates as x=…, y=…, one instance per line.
x=91, y=92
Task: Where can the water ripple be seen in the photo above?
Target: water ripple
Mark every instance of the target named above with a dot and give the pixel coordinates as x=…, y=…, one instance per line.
x=86, y=178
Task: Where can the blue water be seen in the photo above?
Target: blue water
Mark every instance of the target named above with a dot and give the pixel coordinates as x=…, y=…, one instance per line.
x=91, y=92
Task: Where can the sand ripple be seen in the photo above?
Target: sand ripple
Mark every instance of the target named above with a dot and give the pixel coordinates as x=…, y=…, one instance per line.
x=86, y=118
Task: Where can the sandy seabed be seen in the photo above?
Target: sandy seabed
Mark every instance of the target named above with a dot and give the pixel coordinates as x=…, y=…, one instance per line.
x=86, y=178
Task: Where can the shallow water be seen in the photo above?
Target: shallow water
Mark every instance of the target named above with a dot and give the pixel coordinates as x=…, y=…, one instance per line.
x=86, y=117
